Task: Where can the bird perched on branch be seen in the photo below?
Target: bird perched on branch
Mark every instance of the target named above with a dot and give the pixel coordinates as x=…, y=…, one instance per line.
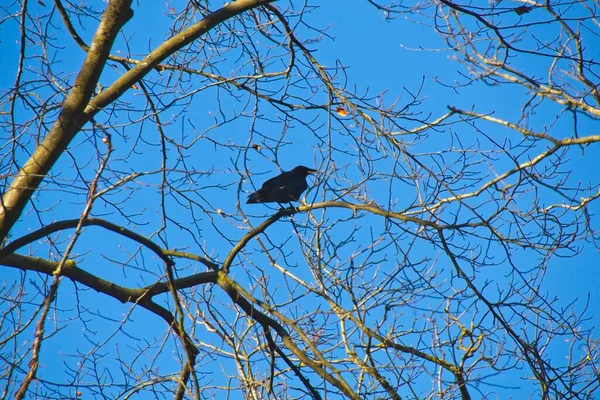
x=283, y=188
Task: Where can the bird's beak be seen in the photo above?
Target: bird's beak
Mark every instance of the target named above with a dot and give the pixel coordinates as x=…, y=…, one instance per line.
x=312, y=171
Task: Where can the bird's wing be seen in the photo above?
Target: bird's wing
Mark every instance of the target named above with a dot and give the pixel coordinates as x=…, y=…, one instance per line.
x=275, y=182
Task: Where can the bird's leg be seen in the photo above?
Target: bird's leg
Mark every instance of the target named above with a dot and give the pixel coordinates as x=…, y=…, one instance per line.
x=295, y=208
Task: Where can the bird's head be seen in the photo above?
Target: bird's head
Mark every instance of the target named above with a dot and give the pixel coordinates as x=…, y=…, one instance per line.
x=304, y=171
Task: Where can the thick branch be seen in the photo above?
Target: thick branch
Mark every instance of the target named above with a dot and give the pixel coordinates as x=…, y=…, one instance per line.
x=231, y=288
x=120, y=293
x=70, y=120
x=73, y=116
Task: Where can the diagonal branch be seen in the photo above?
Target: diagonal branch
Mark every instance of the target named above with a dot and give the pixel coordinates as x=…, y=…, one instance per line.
x=70, y=119
x=78, y=109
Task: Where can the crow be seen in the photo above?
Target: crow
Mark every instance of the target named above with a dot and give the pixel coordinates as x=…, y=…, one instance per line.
x=283, y=188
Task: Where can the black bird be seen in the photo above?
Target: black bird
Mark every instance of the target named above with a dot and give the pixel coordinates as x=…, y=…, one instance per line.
x=284, y=188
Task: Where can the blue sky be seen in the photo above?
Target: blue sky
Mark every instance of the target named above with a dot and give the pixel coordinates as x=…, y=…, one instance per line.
x=382, y=57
